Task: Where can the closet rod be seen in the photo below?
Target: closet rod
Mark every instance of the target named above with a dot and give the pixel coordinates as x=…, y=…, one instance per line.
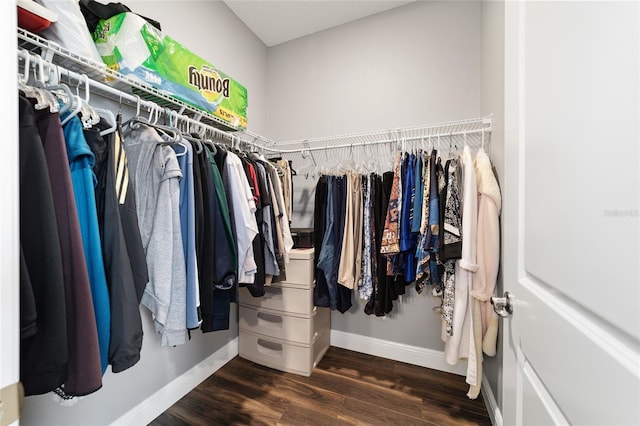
x=451, y=126
x=116, y=94
x=443, y=135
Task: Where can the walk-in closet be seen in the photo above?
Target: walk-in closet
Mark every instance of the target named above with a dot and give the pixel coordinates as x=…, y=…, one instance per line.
x=320, y=212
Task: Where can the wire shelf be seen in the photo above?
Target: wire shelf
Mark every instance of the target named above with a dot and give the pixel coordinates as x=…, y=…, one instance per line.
x=424, y=132
x=58, y=55
x=118, y=87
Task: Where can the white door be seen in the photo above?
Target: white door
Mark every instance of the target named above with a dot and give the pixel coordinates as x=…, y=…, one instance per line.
x=571, y=213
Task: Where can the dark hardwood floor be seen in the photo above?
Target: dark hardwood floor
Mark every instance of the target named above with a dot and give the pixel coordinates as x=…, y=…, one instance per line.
x=346, y=388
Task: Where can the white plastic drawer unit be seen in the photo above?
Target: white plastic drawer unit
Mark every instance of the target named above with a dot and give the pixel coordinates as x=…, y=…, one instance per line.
x=281, y=354
x=284, y=326
x=299, y=270
x=282, y=329
x=281, y=297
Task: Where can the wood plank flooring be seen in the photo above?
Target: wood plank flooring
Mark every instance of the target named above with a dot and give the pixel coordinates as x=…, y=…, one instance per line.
x=346, y=388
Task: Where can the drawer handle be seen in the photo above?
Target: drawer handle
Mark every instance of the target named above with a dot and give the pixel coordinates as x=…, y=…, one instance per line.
x=269, y=348
x=270, y=321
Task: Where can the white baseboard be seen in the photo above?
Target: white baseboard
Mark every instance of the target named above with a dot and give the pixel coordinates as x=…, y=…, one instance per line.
x=397, y=351
x=164, y=398
x=490, y=401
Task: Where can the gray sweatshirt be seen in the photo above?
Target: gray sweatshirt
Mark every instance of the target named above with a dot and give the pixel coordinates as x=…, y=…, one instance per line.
x=156, y=175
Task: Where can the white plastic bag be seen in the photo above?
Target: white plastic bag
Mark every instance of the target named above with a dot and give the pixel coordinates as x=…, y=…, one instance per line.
x=71, y=30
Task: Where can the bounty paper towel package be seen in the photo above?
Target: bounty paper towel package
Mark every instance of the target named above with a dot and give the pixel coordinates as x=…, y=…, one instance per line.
x=133, y=47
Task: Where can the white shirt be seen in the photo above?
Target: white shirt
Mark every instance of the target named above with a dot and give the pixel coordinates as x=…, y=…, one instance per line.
x=244, y=208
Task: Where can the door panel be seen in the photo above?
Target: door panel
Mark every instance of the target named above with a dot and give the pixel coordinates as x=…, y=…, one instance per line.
x=541, y=408
x=583, y=366
x=571, y=202
x=581, y=155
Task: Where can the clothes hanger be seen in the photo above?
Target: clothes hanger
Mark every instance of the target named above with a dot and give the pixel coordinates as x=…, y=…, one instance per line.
x=169, y=126
x=137, y=118
x=23, y=79
x=212, y=146
x=199, y=147
x=110, y=118
x=88, y=115
x=78, y=106
x=172, y=134
x=44, y=98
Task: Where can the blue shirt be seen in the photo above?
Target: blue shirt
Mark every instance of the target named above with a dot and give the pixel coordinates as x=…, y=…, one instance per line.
x=184, y=153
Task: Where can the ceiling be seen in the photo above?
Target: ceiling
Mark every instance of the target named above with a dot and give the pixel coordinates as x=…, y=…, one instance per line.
x=276, y=22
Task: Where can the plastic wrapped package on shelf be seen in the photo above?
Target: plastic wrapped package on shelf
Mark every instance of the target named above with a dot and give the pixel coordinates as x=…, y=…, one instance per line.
x=70, y=30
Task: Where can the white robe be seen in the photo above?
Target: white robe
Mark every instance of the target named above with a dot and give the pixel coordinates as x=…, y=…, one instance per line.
x=485, y=320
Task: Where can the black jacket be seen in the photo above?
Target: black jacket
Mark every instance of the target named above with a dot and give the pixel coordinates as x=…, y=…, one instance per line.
x=124, y=258
x=43, y=346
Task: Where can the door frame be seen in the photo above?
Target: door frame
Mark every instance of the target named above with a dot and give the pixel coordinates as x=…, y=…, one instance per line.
x=513, y=199
x=9, y=220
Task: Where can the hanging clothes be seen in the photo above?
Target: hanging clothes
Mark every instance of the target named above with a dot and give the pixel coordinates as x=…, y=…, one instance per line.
x=124, y=257
x=207, y=235
x=423, y=256
x=342, y=292
x=321, y=294
x=407, y=237
x=156, y=174
x=459, y=344
x=44, y=351
x=287, y=185
x=244, y=208
x=283, y=216
x=225, y=259
x=267, y=227
x=265, y=258
x=258, y=240
x=418, y=195
x=350, y=259
x=379, y=304
x=100, y=295
x=184, y=155
x=84, y=373
x=452, y=240
x=224, y=267
x=328, y=248
x=365, y=284
x=390, y=243
x=485, y=320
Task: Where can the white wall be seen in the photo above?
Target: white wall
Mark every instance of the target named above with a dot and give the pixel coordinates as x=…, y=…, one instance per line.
x=211, y=30
x=416, y=64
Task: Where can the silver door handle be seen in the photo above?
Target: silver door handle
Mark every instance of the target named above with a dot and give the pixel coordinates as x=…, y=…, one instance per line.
x=503, y=306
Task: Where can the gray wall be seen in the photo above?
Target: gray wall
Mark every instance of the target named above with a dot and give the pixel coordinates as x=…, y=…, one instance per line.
x=493, y=103
x=211, y=30
x=413, y=65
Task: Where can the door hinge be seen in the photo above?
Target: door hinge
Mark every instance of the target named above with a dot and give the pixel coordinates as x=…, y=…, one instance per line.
x=11, y=403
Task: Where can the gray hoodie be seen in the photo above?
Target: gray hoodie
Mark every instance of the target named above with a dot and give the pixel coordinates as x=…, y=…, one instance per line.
x=156, y=175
